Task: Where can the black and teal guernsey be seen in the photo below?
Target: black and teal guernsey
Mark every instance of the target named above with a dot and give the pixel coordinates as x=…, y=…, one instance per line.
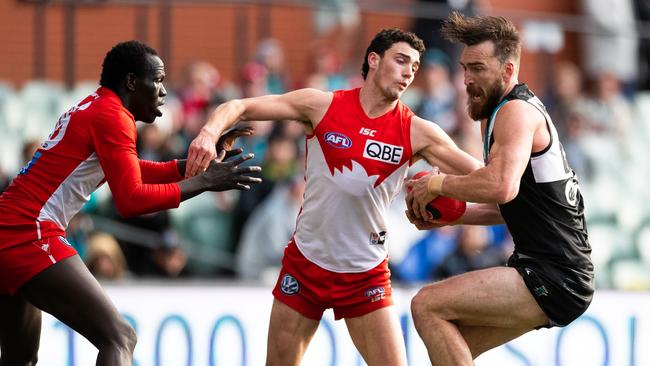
x=546, y=218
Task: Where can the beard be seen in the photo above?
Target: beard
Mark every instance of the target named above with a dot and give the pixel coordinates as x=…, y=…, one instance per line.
x=489, y=99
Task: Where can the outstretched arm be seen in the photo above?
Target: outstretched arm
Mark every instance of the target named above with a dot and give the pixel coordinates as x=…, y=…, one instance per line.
x=114, y=142
x=305, y=105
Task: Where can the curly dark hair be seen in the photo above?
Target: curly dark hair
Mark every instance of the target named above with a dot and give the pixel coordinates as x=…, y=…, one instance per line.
x=124, y=58
x=385, y=39
x=474, y=30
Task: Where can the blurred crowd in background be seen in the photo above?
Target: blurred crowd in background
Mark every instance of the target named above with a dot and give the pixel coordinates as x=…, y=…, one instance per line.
x=600, y=108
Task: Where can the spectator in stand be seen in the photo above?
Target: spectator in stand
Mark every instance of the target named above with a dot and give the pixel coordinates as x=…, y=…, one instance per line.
x=474, y=250
x=104, y=258
x=438, y=99
x=268, y=231
x=608, y=112
x=200, y=80
x=326, y=70
x=611, y=46
x=280, y=166
x=337, y=27
x=270, y=54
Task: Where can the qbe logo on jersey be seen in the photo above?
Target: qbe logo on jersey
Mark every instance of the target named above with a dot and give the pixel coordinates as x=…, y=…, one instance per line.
x=289, y=285
x=383, y=152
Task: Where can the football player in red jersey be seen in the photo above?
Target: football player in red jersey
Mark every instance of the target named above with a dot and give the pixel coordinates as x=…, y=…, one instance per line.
x=360, y=143
x=93, y=143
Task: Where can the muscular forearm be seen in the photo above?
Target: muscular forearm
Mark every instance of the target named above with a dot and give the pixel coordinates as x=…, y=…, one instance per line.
x=223, y=117
x=482, y=214
x=480, y=186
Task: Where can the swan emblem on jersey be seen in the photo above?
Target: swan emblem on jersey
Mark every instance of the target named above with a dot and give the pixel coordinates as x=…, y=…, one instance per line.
x=338, y=140
x=289, y=285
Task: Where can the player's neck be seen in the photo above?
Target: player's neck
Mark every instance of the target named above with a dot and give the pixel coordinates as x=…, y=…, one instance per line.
x=511, y=85
x=374, y=103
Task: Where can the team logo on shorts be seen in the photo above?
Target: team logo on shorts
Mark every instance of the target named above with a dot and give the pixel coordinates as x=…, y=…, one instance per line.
x=64, y=241
x=289, y=285
x=540, y=291
x=376, y=294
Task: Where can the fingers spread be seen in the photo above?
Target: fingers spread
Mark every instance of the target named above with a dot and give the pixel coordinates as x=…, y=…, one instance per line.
x=243, y=187
x=233, y=152
x=248, y=179
x=242, y=159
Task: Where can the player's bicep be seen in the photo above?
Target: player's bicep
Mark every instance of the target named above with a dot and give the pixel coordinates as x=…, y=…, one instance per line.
x=305, y=105
x=513, y=140
x=438, y=149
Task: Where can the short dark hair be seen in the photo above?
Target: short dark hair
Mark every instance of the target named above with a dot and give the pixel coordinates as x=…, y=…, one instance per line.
x=385, y=39
x=478, y=29
x=124, y=58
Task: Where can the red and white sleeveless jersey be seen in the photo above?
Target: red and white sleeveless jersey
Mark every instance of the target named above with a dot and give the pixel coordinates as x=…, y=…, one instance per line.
x=91, y=143
x=355, y=167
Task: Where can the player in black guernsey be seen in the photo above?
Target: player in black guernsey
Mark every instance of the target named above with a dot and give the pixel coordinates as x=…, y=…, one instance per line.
x=526, y=183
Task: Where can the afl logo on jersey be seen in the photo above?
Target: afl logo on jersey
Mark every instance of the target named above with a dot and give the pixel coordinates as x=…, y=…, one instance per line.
x=338, y=140
x=289, y=285
x=571, y=192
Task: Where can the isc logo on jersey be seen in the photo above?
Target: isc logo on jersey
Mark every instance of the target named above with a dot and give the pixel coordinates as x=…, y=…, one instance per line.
x=338, y=140
x=383, y=152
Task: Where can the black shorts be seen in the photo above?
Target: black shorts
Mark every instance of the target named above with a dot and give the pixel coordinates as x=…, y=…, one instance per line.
x=563, y=293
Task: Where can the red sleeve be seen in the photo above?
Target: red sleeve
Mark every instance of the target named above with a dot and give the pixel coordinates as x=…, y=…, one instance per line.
x=113, y=134
x=155, y=172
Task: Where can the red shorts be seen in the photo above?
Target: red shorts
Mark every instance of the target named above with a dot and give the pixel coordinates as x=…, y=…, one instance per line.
x=19, y=263
x=310, y=289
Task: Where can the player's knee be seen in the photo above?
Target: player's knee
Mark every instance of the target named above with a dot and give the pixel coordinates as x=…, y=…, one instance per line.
x=418, y=309
x=127, y=337
x=121, y=336
x=423, y=306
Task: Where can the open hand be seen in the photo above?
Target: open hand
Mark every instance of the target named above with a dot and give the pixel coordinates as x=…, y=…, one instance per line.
x=224, y=175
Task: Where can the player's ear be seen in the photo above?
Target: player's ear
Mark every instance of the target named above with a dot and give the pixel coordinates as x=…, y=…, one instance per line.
x=373, y=60
x=508, y=71
x=130, y=82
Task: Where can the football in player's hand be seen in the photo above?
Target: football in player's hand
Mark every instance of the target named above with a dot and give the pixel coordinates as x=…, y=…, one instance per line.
x=444, y=209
